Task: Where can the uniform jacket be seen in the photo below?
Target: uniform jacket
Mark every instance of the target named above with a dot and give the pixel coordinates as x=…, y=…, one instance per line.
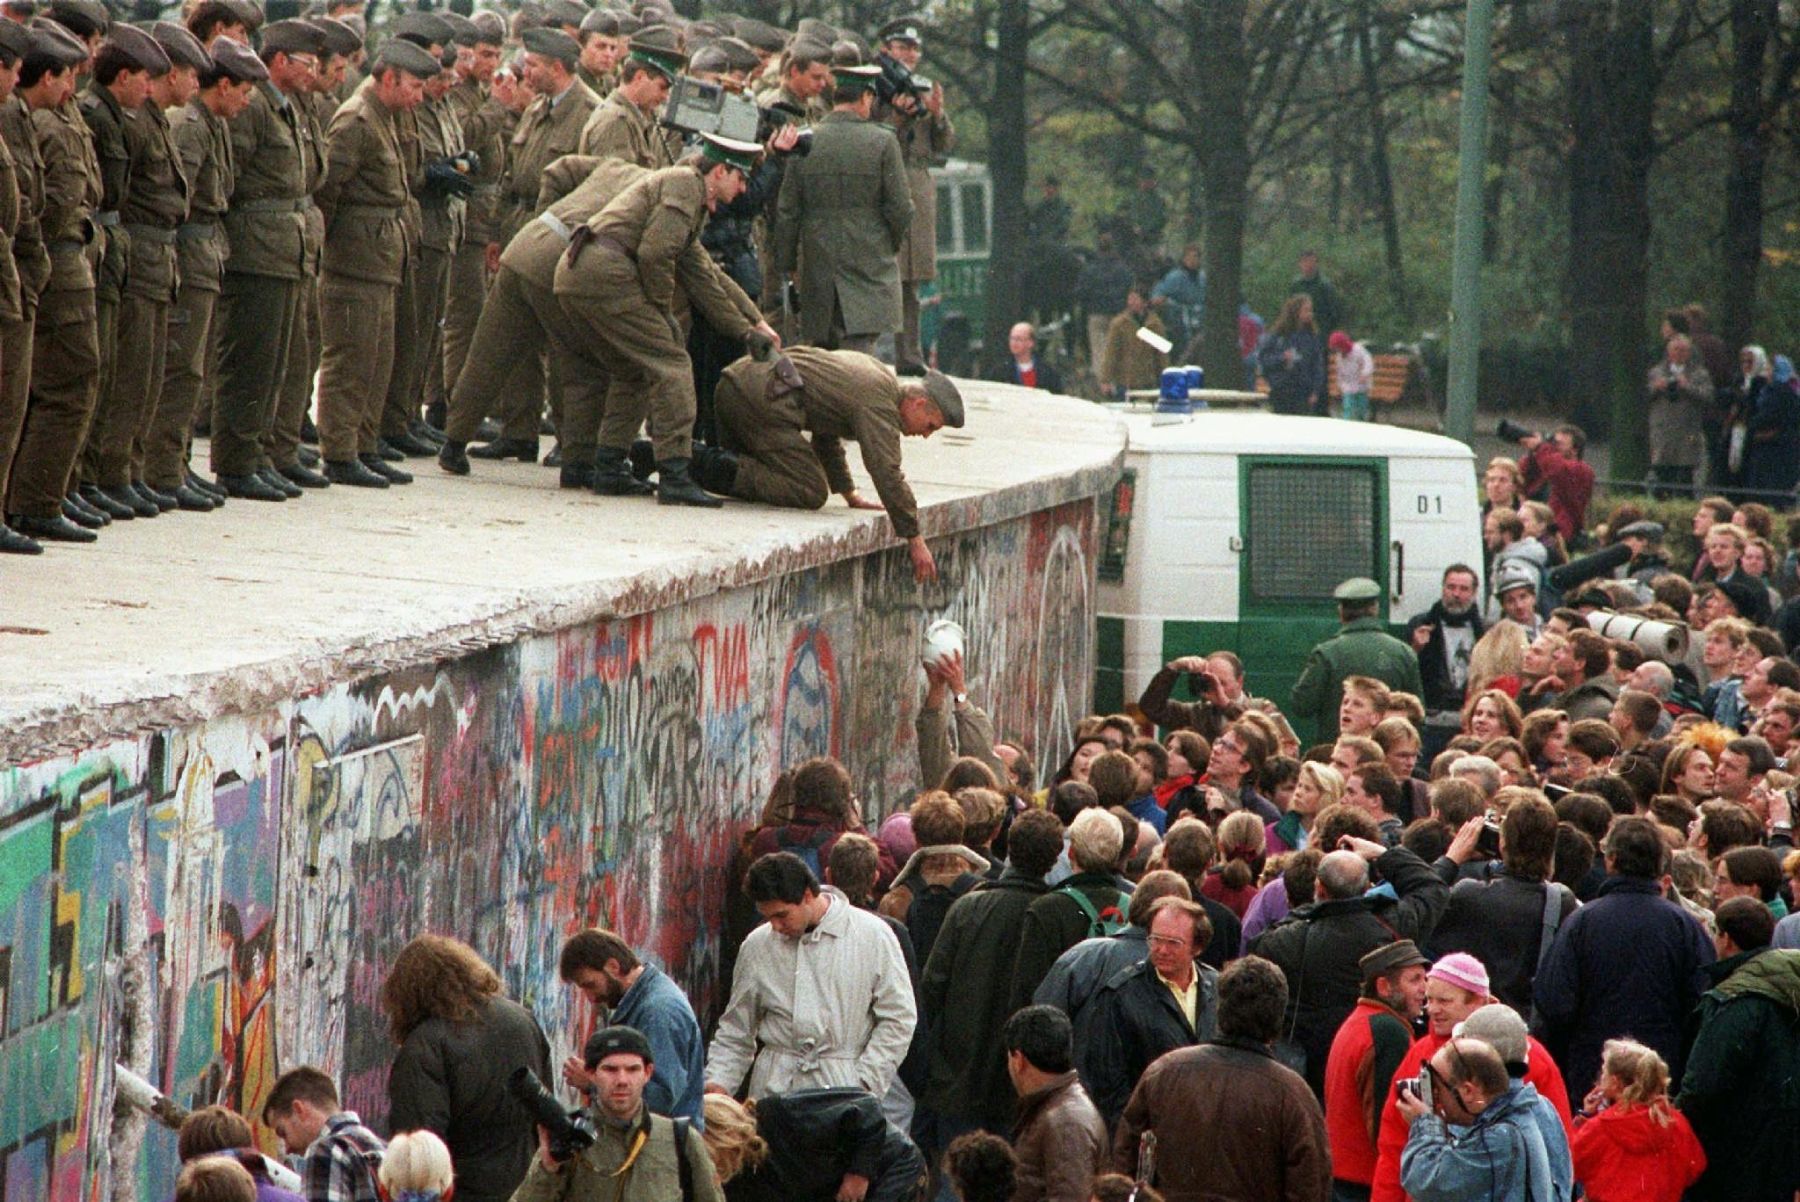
x=487, y=126
x=1623, y=1154
x=11, y=210
x=204, y=143
x=313, y=113
x=543, y=135
x=834, y=1007
x=364, y=195
x=1741, y=1088
x=620, y=129
x=925, y=142
x=654, y=1177
x=1362, y=647
x=843, y=213
x=967, y=1000
x=268, y=236
x=440, y=137
x=847, y=397
x=451, y=1078
x=1318, y=946
x=1230, y=1123
x=72, y=192
x=29, y=253
x=815, y=1137
x=1060, y=1144
x=657, y=220
x=1675, y=435
x=1131, y=1021
x=1627, y=962
x=155, y=203
x=112, y=244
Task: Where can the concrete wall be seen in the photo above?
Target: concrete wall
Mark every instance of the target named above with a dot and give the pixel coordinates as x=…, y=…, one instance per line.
x=218, y=902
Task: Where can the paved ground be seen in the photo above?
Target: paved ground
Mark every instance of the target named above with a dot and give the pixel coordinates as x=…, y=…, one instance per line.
x=181, y=614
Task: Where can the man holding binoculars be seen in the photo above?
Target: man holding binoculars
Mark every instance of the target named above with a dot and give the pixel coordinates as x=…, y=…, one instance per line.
x=1555, y=463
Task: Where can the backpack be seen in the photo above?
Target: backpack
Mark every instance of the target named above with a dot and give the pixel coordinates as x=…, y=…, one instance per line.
x=807, y=849
x=1109, y=921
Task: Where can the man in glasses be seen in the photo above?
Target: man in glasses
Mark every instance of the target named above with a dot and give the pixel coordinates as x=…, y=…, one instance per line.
x=1498, y=1151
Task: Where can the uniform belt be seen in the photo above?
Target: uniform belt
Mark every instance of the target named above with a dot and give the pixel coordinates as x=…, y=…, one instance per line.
x=395, y=211
x=196, y=231
x=151, y=233
x=556, y=225
x=109, y=218
x=272, y=204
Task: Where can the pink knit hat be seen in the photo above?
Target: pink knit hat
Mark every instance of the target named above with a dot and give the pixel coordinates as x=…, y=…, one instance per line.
x=896, y=837
x=1463, y=971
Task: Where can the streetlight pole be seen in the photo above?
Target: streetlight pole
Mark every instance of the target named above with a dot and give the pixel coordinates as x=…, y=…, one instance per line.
x=1471, y=173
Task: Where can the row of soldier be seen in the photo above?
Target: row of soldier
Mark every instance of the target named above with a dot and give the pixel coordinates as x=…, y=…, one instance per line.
x=209, y=236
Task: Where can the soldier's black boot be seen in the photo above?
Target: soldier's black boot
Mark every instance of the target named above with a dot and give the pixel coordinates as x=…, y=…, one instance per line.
x=643, y=458
x=715, y=469
x=675, y=487
x=453, y=457
x=613, y=478
x=575, y=473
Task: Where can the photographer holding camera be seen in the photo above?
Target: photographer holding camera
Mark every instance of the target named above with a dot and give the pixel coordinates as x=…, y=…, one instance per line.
x=915, y=106
x=1497, y=1151
x=1554, y=465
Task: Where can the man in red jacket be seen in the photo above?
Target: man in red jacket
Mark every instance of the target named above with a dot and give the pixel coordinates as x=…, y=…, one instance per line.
x=1555, y=463
x=1366, y=1051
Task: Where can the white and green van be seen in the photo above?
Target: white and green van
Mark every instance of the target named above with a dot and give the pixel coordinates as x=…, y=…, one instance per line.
x=1229, y=531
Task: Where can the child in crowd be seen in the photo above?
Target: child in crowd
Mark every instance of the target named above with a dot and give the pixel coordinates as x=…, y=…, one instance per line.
x=1356, y=375
x=1635, y=1146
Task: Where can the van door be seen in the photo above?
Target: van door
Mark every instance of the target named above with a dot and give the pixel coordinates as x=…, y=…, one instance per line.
x=1306, y=524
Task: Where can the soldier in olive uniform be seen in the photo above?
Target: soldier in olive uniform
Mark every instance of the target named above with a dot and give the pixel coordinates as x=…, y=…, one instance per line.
x=23, y=263
x=202, y=146
x=843, y=212
x=601, y=48
x=550, y=128
x=364, y=199
x=625, y=126
x=622, y=291
x=926, y=140
x=266, y=229
x=487, y=127
x=784, y=424
x=65, y=348
x=1362, y=647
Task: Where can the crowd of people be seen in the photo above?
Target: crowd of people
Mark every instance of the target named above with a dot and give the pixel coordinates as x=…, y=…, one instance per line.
x=456, y=228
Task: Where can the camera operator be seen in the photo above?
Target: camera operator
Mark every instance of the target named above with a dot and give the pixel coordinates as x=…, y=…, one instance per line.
x=638, y=1156
x=1554, y=465
x=926, y=139
x=1498, y=1149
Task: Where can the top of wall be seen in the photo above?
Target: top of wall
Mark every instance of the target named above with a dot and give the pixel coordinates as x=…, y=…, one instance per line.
x=189, y=617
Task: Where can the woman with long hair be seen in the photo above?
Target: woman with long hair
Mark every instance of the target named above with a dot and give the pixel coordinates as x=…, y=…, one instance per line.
x=1502, y=485
x=1497, y=660
x=802, y=1145
x=1292, y=358
x=1319, y=786
x=1491, y=714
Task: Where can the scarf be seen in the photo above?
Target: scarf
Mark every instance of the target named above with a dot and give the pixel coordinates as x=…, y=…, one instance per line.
x=1165, y=792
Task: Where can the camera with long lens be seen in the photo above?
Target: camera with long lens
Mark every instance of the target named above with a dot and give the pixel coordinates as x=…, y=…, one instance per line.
x=571, y=1131
x=1512, y=431
x=779, y=116
x=896, y=81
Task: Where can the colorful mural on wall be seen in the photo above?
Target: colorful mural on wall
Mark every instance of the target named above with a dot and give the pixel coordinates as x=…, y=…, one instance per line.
x=211, y=905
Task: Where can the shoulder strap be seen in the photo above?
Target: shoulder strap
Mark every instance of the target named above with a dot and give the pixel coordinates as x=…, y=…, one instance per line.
x=1082, y=900
x=1552, y=920
x=682, y=1165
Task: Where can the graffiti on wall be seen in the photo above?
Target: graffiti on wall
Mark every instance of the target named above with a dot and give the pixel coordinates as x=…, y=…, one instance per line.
x=212, y=905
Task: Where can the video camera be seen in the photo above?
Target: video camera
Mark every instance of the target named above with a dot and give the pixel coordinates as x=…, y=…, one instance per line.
x=896, y=81
x=571, y=1131
x=1512, y=431
x=698, y=107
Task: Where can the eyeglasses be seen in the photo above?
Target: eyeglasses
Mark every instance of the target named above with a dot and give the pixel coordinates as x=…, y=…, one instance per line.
x=1169, y=941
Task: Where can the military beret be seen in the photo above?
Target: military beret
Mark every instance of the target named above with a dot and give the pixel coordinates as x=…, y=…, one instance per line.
x=739, y=54
x=603, y=21
x=658, y=47
x=845, y=53
x=652, y=13
x=1648, y=530
x=183, y=49
x=424, y=29
x=1512, y=576
x=814, y=30
x=1357, y=588
x=402, y=55
x=139, y=49
x=900, y=29
x=238, y=62
x=616, y=1041
x=944, y=394
x=490, y=28
x=565, y=12
x=249, y=13
x=340, y=37
x=1391, y=957
x=15, y=40
x=462, y=30
x=292, y=37
x=705, y=30
x=56, y=45
x=552, y=43
x=759, y=34
x=26, y=8
x=853, y=75
x=83, y=18
x=629, y=23
x=729, y=151
x=709, y=58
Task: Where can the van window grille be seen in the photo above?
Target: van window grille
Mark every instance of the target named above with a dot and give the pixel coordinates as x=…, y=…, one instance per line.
x=1311, y=527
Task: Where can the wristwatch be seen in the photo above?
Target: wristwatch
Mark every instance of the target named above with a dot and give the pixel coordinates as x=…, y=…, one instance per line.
x=961, y=699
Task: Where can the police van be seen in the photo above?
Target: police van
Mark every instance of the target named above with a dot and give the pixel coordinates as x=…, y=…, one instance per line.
x=1229, y=530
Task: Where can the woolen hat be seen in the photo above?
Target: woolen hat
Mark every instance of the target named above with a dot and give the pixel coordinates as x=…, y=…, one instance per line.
x=1463, y=971
x=462, y=30
x=490, y=28
x=759, y=34
x=1646, y=529
x=1514, y=575
x=565, y=12
x=1339, y=342
x=1750, y=599
x=615, y=1041
x=56, y=45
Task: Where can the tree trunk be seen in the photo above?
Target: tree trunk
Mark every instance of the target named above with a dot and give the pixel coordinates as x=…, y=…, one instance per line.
x=1500, y=145
x=1007, y=168
x=1216, y=34
x=1752, y=25
x=1612, y=100
x=1379, y=169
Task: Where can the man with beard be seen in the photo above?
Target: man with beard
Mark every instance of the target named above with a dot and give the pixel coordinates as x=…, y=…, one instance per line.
x=634, y=994
x=1443, y=636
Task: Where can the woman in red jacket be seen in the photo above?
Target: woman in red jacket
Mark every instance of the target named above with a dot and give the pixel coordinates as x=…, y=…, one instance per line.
x=1637, y=1148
